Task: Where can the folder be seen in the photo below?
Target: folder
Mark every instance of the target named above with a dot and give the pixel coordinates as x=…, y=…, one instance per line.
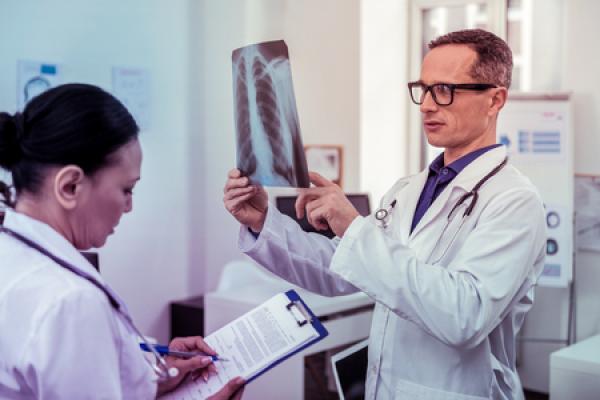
x=256, y=342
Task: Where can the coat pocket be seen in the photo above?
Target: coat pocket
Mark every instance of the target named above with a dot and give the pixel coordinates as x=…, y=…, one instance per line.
x=413, y=391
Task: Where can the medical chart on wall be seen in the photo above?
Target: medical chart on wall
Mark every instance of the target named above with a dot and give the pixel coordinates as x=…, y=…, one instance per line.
x=537, y=133
x=34, y=77
x=587, y=216
x=534, y=136
x=132, y=87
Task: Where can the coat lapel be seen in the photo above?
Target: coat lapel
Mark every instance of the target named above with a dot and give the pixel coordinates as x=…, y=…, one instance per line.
x=407, y=203
x=463, y=183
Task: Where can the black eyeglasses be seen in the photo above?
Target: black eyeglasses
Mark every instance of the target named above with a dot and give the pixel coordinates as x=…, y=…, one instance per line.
x=443, y=93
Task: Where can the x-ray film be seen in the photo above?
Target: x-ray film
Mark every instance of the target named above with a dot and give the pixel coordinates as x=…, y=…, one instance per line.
x=269, y=146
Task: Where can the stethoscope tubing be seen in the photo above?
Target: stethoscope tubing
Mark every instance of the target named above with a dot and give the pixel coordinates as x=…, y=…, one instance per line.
x=163, y=371
x=383, y=214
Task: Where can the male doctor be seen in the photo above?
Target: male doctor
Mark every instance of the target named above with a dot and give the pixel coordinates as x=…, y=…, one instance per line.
x=454, y=253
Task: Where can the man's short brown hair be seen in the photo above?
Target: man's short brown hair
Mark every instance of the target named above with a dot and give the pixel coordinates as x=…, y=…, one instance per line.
x=494, y=58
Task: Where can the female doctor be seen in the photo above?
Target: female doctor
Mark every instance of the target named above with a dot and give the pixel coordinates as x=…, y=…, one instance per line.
x=74, y=158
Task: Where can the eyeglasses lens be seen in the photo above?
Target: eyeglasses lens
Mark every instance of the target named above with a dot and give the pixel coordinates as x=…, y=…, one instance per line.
x=442, y=94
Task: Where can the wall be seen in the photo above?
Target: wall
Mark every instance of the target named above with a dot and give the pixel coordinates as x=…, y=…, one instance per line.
x=176, y=241
x=147, y=261
x=323, y=42
x=384, y=95
x=581, y=66
x=578, y=68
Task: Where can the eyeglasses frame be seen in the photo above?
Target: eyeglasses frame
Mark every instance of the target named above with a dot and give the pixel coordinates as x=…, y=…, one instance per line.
x=477, y=87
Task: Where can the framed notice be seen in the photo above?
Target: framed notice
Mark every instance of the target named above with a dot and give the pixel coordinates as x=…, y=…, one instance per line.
x=327, y=160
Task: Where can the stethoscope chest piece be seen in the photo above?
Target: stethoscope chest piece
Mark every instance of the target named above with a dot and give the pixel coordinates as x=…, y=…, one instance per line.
x=383, y=215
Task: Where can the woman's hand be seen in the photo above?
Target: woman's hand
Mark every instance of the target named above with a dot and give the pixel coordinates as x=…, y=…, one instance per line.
x=233, y=390
x=197, y=366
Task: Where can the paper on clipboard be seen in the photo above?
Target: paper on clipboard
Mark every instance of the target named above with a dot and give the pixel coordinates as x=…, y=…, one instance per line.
x=255, y=342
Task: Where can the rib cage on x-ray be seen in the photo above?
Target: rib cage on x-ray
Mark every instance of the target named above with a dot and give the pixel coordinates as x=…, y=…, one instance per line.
x=266, y=119
x=268, y=110
x=247, y=158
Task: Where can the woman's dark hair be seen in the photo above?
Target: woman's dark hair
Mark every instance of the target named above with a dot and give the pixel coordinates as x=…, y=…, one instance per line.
x=76, y=124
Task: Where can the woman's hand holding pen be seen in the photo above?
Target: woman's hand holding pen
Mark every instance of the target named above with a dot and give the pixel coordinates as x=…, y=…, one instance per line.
x=199, y=366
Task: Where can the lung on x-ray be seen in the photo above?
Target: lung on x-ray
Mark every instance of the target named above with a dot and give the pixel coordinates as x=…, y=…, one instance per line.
x=269, y=146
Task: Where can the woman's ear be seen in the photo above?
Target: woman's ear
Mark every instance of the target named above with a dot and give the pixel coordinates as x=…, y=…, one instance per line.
x=69, y=186
x=498, y=100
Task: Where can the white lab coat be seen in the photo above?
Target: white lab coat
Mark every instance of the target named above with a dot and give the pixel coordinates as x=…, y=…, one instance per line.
x=59, y=337
x=449, y=298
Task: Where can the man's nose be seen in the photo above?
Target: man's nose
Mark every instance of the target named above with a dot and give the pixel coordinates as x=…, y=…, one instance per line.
x=428, y=105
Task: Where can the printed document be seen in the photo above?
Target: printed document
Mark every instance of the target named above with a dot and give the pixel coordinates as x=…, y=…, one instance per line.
x=251, y=344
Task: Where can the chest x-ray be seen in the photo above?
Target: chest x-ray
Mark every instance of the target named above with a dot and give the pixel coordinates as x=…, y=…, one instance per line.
x=269, y=146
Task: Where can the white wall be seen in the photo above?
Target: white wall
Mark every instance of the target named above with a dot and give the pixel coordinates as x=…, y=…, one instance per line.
x=323, y=42
x=384, y=95
x=579, y=65
x=147, y=260
x=176, y=241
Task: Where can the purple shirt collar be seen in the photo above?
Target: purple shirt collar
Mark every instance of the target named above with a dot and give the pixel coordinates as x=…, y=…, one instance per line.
x=458, y=165
x=440, y=176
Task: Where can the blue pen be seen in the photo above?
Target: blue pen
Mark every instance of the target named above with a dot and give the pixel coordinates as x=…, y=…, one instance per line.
x=164, y=351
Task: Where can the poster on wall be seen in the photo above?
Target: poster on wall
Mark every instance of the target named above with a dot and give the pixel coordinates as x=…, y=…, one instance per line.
x=33, y=78
x=132, y=87
x=539, y=136
x=587, y=216
x=326, y=160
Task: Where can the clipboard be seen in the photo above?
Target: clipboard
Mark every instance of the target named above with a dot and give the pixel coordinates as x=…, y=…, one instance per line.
x=268, y=331
x=307, y=316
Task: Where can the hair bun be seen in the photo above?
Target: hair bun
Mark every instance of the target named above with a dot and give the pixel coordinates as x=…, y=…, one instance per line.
x=10, y=150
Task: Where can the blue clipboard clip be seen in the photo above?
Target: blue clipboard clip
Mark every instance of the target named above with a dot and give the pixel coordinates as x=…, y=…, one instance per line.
x=303, y=316
x=300, y=313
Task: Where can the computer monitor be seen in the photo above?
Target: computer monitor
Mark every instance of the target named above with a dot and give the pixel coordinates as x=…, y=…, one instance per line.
x=350, y=371
x=286, y=205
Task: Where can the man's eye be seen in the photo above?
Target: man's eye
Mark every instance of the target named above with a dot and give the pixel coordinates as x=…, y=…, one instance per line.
x=443, y=89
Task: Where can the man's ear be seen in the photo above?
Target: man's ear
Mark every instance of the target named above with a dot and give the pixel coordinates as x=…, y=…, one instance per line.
x=68, y=186
x=498, y=100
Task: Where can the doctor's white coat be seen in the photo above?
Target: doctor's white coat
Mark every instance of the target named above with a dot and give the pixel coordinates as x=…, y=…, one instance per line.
x=59, y=336
x=450, y=297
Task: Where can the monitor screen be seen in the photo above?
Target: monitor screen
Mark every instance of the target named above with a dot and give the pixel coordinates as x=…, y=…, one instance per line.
x=286, y=205
x=350, y=371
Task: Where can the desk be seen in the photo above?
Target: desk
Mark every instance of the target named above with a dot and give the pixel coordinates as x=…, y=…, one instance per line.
x=575, y=371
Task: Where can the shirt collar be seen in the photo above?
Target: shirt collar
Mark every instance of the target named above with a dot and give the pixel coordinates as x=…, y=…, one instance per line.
x=458, y=165
x=45, y=236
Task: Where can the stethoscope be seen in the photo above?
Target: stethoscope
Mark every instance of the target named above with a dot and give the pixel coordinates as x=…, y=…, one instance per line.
x=384, y=215
x=161, y=368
